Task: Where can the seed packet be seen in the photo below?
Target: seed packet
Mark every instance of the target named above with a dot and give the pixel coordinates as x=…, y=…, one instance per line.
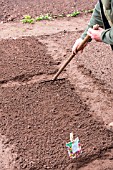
x=74, y=147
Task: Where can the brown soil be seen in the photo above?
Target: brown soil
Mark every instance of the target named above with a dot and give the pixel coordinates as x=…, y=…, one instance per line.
x=25, y=60
x=37, y=115
x=14, y=10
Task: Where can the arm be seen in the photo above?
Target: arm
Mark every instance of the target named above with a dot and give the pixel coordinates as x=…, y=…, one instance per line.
x=106, y=36
x=95, y=19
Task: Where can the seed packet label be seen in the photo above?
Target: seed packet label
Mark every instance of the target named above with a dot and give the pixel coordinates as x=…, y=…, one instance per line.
x=74, y=148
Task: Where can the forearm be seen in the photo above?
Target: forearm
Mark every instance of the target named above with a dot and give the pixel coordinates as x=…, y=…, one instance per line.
x=95, y=19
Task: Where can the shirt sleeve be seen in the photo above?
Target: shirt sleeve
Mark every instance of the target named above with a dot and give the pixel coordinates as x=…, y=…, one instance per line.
x=95, y=19
x=107, y=36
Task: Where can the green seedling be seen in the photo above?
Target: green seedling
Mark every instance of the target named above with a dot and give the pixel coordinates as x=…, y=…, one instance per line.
x=28, y=19
x=44, y=17
x=74, y=14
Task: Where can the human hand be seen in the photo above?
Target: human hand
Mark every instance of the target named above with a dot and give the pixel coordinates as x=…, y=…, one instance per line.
x=77, y=44
x=95, y=34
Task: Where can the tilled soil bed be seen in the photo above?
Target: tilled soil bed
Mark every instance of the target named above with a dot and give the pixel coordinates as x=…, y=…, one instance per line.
x=24, y=58
x=36, y=117
x=37, y=114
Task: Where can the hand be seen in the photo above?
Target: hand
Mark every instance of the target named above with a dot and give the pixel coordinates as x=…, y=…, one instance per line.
x=77, y=44
x=95, y=34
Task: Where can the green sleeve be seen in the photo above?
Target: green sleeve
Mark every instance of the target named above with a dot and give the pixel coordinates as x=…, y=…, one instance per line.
x=95, y=19
x=107, y=36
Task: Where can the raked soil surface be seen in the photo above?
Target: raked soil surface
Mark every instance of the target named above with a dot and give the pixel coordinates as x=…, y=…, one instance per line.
x=37, y=115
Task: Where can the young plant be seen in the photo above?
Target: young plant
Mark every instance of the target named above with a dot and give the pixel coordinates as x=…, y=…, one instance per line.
x=44, y=17
x=74, y=14
x=28, y=19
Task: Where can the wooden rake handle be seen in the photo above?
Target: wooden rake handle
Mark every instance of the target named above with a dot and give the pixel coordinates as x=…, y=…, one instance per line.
x=86, y=39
